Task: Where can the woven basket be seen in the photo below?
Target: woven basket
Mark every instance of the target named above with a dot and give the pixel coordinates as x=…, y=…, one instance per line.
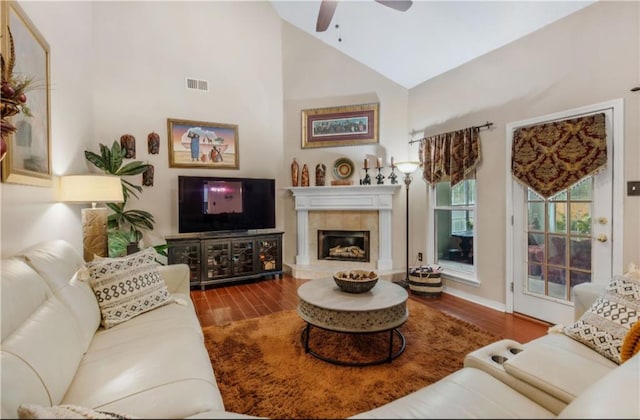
x=354, y=286
x=425, y=283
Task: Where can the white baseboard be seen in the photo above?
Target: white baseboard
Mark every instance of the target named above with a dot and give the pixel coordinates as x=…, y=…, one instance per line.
x=498, y=306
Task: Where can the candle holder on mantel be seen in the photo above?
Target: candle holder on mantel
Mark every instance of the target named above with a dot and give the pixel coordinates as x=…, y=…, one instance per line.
x=367, y=178
x=392, y=176
x=380, y=177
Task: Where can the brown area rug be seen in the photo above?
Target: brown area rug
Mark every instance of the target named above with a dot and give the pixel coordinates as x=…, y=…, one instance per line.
x=262, y=368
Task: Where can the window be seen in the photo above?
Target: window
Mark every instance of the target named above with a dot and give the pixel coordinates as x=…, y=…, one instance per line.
x=559, y=240
x=454, y=213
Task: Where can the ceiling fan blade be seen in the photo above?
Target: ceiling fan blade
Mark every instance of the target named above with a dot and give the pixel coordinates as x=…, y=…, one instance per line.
x=400, y=5
x=327, y=9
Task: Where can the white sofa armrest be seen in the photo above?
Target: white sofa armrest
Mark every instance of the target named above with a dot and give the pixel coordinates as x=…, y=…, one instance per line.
x=176, y=277
x=584, y=295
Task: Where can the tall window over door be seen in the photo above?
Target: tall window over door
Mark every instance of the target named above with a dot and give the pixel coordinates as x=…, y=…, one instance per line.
x=559, y=240
x=454, y=216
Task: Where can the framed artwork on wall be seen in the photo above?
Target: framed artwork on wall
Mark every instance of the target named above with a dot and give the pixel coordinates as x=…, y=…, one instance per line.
x=28, y=159
x=340, y=126
x=196, y=144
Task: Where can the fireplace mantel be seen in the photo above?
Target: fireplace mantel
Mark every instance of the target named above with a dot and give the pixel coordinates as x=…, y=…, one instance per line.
x=348, y=197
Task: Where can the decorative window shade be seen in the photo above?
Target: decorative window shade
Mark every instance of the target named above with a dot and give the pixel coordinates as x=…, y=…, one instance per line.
x=553, y=156
x=450, y=156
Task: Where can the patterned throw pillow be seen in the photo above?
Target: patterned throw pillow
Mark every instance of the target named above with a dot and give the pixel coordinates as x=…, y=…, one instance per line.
x=604, y=325
x=127, y=286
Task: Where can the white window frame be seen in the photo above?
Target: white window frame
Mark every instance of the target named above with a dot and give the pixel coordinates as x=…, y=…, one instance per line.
x=451, y=270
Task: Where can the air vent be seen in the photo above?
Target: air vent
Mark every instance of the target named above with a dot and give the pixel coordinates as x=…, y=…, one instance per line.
x=196, y=84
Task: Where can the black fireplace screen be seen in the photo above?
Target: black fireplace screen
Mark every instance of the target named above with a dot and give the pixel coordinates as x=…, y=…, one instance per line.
x=343, y=245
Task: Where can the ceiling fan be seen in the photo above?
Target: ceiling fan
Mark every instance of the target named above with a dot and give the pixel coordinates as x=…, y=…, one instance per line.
x=328, y=8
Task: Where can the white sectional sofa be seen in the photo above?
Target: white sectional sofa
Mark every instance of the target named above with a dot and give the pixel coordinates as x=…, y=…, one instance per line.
x=553, y=376
x=54, y=351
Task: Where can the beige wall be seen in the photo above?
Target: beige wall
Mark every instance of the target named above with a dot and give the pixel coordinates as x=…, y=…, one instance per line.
x=30, y=214
x=586, y=58
x=120, y=67
x=316, y=75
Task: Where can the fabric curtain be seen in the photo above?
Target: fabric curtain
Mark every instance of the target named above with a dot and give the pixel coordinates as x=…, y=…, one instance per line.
x=450, y=156
x=553, y=156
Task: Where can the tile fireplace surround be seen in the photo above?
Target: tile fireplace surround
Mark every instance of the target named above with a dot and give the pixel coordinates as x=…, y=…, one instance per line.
x=339, y=207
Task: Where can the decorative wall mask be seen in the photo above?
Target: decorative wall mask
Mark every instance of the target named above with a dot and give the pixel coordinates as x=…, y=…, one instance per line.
x=147, y=177
x=153, y=143
x=128, y=142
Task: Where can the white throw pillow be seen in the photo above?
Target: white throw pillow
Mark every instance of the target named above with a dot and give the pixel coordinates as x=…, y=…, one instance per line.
x=66, y=411
x=604, y=325
x=633, y=272
x=127, y=286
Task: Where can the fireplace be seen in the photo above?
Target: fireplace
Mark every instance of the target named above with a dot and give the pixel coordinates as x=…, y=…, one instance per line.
x=347, y=208
x=343, y=245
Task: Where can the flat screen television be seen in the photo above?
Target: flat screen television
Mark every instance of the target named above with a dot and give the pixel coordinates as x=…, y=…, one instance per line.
x=217, y=204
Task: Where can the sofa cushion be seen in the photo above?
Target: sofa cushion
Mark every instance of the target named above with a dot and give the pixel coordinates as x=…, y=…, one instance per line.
x=65, y=411
x=127, y=286
x=56, y=261
x=614, y=396
x=604, y=325
x=41, y=341
x=152, y=374
x=466, y=393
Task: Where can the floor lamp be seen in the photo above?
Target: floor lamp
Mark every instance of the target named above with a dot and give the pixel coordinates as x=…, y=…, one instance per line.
x=407, y=168
x=92, y=189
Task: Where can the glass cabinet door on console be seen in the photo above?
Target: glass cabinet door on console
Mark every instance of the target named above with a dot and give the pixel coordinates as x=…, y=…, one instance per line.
x=269, y=254
x=242, y=250
x=227, y=257
x=217, y=259
x=186, y=252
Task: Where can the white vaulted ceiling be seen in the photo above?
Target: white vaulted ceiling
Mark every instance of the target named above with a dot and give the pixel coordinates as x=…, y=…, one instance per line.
x=430, y=38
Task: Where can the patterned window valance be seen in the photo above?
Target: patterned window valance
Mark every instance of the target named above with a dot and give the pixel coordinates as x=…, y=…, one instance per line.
x=450, y=156
x=553, y=156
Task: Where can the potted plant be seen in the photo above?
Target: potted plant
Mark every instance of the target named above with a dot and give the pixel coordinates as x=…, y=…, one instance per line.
x=125, y=226
x=13, y=99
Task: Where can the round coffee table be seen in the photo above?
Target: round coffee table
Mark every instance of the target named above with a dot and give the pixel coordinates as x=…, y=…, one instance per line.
x=323, y=304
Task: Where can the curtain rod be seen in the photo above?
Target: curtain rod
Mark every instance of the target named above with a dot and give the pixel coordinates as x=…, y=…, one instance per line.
x=485, y=125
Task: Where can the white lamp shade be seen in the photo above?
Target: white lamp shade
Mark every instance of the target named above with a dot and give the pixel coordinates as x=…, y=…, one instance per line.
x=408, y=167
x=90, y=189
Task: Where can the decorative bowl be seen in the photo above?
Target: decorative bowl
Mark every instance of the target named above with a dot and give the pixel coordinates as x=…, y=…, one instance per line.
x=355, y=281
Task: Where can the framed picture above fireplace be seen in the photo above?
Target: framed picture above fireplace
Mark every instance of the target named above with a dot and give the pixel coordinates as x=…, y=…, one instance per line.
x=340, y=126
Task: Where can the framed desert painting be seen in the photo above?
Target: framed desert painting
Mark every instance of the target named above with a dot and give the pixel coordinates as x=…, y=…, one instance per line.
x=25, y=117
x=197, y=144
x=340, y=126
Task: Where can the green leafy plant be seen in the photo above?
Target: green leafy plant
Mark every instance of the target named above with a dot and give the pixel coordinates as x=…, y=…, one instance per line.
x=124, y=226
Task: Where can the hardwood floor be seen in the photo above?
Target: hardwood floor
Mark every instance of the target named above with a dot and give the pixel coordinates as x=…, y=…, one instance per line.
x=223, y=304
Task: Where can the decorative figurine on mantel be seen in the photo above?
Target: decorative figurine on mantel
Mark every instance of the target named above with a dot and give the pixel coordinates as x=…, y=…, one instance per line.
x=367, y=178
x=295, y=173
x=379, y=177
x=305, y=176
x=392, y=176
x=321, y=170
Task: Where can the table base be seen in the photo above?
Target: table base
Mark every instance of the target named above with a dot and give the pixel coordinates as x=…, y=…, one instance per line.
x=304, y=336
